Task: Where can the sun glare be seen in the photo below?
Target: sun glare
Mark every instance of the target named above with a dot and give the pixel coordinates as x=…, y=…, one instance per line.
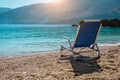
x=51, y=0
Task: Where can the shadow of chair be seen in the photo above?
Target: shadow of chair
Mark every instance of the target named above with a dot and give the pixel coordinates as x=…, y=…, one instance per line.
x=80, y=68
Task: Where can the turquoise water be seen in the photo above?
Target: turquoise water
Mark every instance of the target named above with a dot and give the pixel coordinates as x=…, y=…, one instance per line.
x=17, y=40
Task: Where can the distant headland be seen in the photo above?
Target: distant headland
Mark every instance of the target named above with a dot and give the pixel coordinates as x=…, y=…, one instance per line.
x=111, y=22
x=106, y=22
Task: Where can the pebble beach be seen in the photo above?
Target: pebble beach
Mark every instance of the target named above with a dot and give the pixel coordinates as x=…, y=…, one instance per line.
x=50, y=66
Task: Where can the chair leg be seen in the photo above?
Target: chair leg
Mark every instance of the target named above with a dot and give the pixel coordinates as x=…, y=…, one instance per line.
x=73, y=55
x=93, y=58
x=98, y=50
x=61, y=51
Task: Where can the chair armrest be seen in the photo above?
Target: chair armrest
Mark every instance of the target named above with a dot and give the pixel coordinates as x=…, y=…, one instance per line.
x=68, y=41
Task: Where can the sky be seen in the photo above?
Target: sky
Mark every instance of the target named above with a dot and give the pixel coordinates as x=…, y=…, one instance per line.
x=19, y=3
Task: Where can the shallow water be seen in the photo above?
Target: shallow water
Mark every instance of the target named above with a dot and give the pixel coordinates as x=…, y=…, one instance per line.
x=27, y=39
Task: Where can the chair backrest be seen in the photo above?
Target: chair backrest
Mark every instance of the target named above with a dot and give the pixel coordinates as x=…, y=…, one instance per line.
x=87, y=34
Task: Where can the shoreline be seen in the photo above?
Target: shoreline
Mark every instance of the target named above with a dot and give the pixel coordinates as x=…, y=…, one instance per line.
x=46, y=67
x=29, y=55
x=48, y=52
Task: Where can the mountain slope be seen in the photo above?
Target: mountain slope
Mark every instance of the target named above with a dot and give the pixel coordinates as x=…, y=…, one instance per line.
x=63, y=11
x=3, y=10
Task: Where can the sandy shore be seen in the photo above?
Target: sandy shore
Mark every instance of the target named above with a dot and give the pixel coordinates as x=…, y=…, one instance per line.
x=46, y=67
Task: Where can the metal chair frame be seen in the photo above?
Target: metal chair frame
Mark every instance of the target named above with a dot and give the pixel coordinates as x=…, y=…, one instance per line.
x=93, y=47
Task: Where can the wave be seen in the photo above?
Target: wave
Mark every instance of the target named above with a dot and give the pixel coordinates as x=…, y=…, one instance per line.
x=109, y=44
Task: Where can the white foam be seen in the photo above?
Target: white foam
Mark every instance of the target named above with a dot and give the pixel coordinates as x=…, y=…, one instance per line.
x=108, y=44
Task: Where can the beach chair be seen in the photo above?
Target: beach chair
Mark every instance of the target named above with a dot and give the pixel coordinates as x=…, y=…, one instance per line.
x=85, y=38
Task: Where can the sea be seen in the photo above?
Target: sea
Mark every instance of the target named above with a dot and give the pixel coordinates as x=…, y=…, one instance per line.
x=31, y=39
